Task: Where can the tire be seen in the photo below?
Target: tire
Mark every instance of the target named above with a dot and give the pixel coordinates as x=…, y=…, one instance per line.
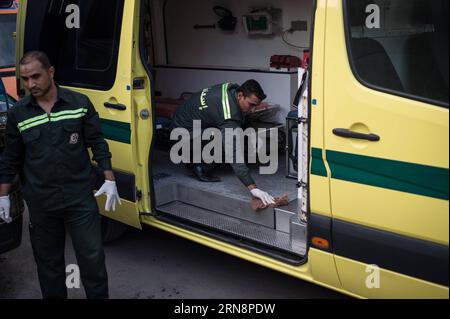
x=112, y=230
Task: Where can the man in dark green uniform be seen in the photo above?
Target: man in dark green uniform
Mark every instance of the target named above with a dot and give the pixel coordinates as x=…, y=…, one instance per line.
x=47, y=137
x=224, y=107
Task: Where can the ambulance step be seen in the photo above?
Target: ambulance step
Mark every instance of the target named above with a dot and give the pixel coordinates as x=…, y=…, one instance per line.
x=235, y=227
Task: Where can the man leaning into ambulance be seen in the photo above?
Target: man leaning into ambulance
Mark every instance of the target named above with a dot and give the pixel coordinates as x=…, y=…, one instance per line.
x=47, y=137
x=225, y=107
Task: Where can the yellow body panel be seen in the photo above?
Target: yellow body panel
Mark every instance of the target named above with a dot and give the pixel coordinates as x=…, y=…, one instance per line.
x=142, y=128
x=320, y=196
x=323, y=268
x=420, y=223
x=410, y=131
x=128, y=218
x=317, y=88
x=391, y=285
x=319, y=185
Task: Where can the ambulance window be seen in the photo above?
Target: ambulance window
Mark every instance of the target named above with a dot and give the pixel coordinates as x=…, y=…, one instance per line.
x=401, y=46
x=83, y=57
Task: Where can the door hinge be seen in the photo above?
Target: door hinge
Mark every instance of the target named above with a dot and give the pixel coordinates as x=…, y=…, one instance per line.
x=302, y=120
x=138, y=195
x=139, y=84
x=302, y=184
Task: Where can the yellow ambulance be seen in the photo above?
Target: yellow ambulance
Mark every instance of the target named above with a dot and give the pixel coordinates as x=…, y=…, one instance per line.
x=367, y=160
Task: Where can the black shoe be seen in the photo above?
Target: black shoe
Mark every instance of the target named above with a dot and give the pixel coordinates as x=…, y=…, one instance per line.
x=203, y=177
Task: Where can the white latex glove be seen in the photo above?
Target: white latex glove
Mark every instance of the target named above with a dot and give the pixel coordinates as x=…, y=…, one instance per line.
x=5, y=206
x=263, y=196
x=110, y=189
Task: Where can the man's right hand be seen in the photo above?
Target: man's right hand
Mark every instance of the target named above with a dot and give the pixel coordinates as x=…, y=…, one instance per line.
x=263, y=196
x=5, y=206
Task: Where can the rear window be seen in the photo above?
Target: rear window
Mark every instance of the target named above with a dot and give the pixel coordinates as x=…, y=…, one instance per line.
x=401, y=46
x=83, y=57
x=7, y=44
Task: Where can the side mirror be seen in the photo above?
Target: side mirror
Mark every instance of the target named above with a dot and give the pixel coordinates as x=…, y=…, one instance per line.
x=5, y=4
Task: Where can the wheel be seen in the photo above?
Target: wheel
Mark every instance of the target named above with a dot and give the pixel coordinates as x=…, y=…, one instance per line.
x=112, y=230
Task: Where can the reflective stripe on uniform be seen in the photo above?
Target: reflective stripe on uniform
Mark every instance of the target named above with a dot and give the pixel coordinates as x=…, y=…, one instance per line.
x=32, y=122
x=68, y=115
x=69, y=112
x=226, y=102
x=54, y=117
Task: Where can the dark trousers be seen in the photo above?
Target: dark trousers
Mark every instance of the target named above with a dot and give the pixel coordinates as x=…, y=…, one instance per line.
x=48, y=232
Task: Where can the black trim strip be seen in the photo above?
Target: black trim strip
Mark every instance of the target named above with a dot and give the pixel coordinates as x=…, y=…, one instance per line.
x=405, y=255
x=222, y=69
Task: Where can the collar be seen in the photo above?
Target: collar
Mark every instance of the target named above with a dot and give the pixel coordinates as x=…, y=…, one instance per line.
x=62, y=96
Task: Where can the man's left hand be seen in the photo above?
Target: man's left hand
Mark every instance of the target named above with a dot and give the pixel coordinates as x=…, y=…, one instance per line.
x=110, y=189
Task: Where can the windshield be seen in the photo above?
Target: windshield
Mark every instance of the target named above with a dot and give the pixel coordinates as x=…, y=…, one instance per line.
x=7, y=45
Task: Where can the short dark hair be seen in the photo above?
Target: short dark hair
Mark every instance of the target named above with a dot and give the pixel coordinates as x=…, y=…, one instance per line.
x=39, y=56
x=252, y=87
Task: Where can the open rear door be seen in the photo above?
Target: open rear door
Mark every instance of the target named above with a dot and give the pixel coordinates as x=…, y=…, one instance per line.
x=90, y=44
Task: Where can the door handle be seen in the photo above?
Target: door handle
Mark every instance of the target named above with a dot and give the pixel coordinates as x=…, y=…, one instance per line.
x=342, y=132
x=119, y=107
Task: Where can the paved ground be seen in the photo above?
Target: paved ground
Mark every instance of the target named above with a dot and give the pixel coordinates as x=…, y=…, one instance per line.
x=156, y=265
